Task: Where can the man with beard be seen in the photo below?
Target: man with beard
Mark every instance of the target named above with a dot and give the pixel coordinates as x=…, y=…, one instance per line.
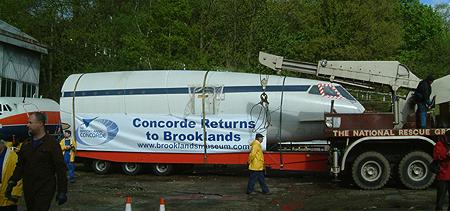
x=41, y=166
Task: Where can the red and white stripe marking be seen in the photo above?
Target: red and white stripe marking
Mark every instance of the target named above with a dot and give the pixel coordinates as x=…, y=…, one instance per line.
x=322, y=86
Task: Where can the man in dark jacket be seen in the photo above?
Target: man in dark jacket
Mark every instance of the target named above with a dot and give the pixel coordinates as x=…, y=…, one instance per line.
x=442, y=154
x=41, y=165
x=422, y=98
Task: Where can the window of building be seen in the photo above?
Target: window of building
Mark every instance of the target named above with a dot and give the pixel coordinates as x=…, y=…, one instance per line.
x=24, y=89
x=13, y=88
x=28, y=90
x=9, y=88
x=3, y=89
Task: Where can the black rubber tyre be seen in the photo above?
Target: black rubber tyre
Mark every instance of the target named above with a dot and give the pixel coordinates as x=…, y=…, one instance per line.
x=414, y=172
x=162, y=169
x=371, y=170
x=131, y=168
x=101, y=166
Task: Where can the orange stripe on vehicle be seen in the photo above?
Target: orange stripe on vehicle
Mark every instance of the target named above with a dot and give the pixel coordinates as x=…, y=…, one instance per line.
x=22, y=119
x=15, y=119
x=52, y=117
x=298, y=161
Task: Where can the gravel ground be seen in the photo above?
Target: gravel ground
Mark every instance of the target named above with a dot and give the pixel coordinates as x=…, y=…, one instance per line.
x=223, y=188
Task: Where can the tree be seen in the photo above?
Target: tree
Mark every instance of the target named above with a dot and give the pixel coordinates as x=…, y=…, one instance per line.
x=92, y=36
x=426, y=39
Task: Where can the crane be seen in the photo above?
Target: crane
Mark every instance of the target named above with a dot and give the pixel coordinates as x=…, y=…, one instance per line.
x=356, y=73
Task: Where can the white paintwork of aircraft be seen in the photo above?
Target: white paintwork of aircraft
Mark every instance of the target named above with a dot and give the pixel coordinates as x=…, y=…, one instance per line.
x=14, y=112
x=179, y=93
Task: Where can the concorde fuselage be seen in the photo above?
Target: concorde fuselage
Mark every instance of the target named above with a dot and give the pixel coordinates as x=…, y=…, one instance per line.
x=179, y=93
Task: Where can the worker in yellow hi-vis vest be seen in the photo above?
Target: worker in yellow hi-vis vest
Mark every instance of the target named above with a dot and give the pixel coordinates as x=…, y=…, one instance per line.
x=256, y=166
x=68, y=147
x=8, y=159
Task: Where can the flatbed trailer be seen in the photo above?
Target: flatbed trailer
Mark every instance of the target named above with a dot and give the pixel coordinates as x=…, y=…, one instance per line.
x=162, y=162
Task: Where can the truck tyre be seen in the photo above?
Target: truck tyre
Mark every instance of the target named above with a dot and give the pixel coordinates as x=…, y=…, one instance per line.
x=371, y=170
x=101, y=166
x=413, y=170
x=162, y=169
x=131, y=168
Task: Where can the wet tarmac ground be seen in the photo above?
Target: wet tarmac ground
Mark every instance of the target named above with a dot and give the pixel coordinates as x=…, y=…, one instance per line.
x=223, y=188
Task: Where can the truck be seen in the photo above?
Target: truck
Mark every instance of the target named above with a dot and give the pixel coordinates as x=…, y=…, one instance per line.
x=174, y=118
x=373, y=147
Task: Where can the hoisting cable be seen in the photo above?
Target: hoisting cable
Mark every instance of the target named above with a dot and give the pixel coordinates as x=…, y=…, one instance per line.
x=73, y=102
x=263, y=113
x=205, y=156
x=280, y=125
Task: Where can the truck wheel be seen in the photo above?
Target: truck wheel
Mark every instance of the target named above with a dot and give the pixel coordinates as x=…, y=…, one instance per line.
x=162, y=169
x=101, y=166
x=414, y=172
x=131, y=168
x=371, y=170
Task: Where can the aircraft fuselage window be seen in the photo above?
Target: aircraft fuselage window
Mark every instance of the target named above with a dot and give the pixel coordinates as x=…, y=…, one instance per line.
x=345, y=93
x=314, y=90
x=329, y=91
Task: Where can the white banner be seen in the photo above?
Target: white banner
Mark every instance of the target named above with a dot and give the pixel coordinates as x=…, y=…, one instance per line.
x=164, y=133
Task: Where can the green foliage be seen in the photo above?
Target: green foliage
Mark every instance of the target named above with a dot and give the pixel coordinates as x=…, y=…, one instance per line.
x=104, y=35
x=426, y=39
x=349, y=30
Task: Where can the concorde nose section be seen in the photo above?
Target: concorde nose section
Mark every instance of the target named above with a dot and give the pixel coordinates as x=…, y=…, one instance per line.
x=347, y=106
